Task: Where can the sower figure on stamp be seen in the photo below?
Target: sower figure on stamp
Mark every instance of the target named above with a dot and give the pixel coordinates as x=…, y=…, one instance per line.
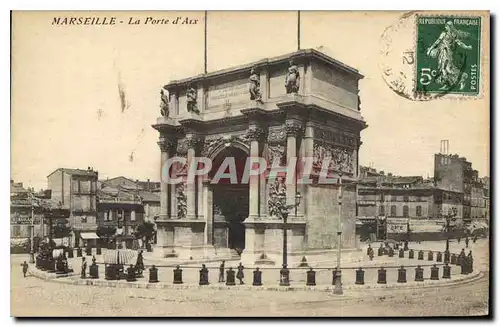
x=221, y=272
x=25, y=268
x=84, y=267
x=444, y=48
x=240, y=274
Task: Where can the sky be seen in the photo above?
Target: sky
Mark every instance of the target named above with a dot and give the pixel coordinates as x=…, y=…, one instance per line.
x=66, y=108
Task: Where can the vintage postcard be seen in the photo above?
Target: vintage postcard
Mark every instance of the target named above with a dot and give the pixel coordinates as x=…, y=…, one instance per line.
x=243, y=164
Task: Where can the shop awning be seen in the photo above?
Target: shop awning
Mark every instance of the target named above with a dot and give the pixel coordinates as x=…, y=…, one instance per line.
x=89, y=236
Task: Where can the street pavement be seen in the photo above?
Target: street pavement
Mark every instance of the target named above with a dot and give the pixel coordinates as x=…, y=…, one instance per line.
x=36, y=297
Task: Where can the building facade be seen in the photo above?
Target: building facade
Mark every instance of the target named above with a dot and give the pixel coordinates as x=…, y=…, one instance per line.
x=76, y=189
x=303, y=104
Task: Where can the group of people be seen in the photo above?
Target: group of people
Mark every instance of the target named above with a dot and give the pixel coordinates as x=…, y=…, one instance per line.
x=239, y=275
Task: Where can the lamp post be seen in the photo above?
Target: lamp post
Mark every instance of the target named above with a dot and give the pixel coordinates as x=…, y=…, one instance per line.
x=32, y=233
x=284, y=209
x=338, y=281
x=451, y=213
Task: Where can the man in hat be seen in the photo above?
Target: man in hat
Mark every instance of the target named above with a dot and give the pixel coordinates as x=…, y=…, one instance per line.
x=25, y=268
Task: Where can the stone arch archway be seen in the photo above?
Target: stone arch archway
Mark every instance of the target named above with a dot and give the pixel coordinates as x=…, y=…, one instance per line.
x=230, y=200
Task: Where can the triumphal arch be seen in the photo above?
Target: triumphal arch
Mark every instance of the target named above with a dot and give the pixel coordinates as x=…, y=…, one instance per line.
x=302, y=104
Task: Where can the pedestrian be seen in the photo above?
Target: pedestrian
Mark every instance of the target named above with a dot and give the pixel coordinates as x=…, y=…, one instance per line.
x=467, y=241
x=474, y=239
x=458, y=239
x=221, y=272
x=240, y=274
x=84, y=268
x=25, y=268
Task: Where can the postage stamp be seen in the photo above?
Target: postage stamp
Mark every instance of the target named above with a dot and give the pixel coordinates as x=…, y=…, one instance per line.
x=448, y=55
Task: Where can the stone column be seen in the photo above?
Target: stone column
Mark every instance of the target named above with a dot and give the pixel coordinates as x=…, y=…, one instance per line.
x=208, y=212
x=165, y=147
x=293, y=130
x=254, y=134
x=192, y=143
x=308, y=150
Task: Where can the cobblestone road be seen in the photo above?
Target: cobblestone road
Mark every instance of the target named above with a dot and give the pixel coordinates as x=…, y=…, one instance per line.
x=35, y=297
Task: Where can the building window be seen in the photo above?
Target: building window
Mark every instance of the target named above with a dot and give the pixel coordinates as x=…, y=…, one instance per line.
x=84, y=219
x=405, y=211
x=126, y=215
x=419, y=211
x=406, y=198
x=381, y=210
x=393, y=211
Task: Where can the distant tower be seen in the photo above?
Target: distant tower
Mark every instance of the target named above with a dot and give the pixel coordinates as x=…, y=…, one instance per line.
x=444, y=147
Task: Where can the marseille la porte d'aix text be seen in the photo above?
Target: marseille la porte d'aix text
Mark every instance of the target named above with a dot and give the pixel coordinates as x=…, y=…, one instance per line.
x=112, y=20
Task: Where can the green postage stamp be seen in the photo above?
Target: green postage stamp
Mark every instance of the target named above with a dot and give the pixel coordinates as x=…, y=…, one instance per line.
x=448, y=57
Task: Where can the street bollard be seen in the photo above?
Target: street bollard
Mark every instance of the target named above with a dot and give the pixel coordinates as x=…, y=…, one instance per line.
x=131, y=274
x=446, y=256
x=401, y=253
x=311, y=277
x=439, y=257
x=391, y=252
x=419, y=274
x=51, y=265
x=203, y=275
x=230, y=277
x=99, y=250
x=434, y=273
x=453, y=260
x=360, y=276
x=335, y=275
x=110, y=272
x=71, y=253
x=94, y=271
x=464, y=266
x=284, y=276
x=380, y=251
x=471, y=264
x=402, y=275
x=411, y=254
x=78, y=252
x=177, y=275
x=153, y=274
x=257, y=277
x=446, y=271
x=420, y=255
x=382, y=276
x=430, y=256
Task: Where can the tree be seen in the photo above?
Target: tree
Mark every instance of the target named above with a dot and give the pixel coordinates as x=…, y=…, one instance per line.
x=146, y=231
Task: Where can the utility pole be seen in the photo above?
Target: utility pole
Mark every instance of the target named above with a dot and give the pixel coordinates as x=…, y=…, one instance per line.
x=32, y=245
x=338, y=282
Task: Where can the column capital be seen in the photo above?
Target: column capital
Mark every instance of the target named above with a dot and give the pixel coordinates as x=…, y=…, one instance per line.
x=293, y=128
x=254, y=133
x=166, y=144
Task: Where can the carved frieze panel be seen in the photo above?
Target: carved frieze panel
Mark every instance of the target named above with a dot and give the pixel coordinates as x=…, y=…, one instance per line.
x=276, y=151
x=277, y=197
x=181, y=200
x=340, y=159
x=329, y=136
